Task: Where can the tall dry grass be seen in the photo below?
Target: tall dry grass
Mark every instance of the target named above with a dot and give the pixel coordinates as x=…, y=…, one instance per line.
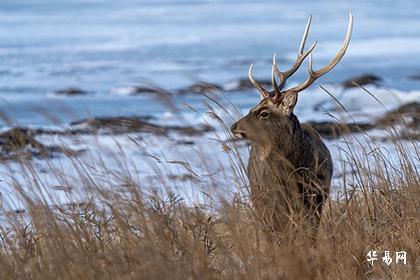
x=134, y=234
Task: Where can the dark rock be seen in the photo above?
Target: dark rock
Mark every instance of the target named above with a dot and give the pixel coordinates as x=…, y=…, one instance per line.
x=71, y=91
x=189, y=130
x=365, y=79
x=408, y=114
x=200, y=88
x=24, y=138
x=121, y=125
x=67, y=132
x=147, y=90
x=331, y=130
x=118, y=125
x=410, y=110
x=20, y=143
x=62, y=188
x=185, y=142
x=183, y=178
x=139, y=90
x=409, y=135
x=17, y=138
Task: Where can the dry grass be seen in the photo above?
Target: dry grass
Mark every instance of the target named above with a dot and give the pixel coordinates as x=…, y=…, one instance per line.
x=133, y=235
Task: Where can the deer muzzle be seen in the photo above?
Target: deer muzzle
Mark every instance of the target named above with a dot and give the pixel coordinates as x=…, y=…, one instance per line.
x=236, y=131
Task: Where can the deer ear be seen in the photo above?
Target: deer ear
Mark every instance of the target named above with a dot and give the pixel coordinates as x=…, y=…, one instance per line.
x=288, y=102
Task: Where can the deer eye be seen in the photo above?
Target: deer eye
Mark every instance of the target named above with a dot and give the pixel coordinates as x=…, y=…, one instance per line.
x=265, y=115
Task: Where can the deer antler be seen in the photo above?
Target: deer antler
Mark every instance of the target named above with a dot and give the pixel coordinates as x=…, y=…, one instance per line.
x=283, y=76
x=263, y=92
x=313, y=75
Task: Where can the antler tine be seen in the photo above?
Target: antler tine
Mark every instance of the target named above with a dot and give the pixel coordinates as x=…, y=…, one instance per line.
x=313, y=75
x=277, y=90
x=263, y=92
x=283, y=76
x=305, y=35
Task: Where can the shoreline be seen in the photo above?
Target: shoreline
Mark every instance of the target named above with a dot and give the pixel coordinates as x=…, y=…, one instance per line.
x=182, y=160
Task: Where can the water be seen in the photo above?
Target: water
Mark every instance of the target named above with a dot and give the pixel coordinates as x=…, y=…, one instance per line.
x=102, y=45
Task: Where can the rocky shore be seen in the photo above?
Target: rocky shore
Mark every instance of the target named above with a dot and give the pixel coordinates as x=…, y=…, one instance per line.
x=22, y=142
x=204, y=87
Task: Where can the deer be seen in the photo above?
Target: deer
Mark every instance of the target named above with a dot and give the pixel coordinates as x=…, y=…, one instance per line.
x=289, y=168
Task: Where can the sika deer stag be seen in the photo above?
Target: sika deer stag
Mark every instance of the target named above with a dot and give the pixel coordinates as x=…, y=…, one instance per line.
x=290, y=168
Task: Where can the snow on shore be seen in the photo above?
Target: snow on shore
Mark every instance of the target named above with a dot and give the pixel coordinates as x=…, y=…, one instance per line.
x=195, y=167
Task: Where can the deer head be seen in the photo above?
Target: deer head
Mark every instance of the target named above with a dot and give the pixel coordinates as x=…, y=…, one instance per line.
x=273, y=116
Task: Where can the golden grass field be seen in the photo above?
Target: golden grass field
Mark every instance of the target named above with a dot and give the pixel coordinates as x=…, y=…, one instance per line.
x=134, y=234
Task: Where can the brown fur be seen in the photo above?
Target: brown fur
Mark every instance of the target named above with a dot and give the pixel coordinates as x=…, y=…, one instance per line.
x=289, y=169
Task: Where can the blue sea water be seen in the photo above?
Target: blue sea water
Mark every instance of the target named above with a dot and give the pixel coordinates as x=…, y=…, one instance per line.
x=100, y=45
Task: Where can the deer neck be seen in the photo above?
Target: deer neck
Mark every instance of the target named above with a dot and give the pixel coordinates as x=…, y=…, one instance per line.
x=261, y=152
x=284, y=145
